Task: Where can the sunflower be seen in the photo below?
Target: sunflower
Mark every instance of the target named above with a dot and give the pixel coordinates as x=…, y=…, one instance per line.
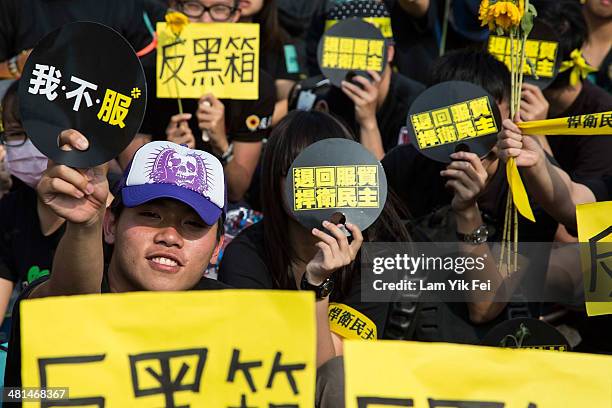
x=502, y=14
x=176, y=21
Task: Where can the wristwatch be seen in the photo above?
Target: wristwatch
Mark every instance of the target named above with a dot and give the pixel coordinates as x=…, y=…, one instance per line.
x=321, y=291
x=476, y=237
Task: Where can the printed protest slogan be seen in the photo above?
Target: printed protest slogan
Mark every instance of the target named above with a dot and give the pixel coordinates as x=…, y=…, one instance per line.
x=437, y=375
x=382, y=23
x=350, y=323
x=359, y=54
x=470, y=119
x=540, y=56
x=595, y=237
x=112, y=106
x=581, y=125
x=220, y=58
x=323, y=187
x=214, y=349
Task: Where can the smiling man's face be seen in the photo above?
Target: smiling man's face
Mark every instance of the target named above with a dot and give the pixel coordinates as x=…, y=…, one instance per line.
x=162, y=245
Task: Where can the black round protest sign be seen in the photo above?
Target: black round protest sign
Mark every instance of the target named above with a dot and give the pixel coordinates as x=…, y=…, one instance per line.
x=526, y=333
x=83, y=76
x=453, y=116
x=336, y=180
x=542, y=54
x=351, y=47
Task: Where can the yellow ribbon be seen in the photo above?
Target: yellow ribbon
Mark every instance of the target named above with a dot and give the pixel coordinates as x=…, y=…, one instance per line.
x=349, y=323
x=519, y=193
x=578, y=65
x=583, y=125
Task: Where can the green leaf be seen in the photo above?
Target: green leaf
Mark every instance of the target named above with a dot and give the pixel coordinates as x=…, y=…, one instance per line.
x=499, y=31
x=527, y=23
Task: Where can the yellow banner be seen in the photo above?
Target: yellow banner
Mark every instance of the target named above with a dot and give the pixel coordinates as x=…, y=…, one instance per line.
x=437, y=375
x=199, y=349
x=595, y=237
x=382, y=23
x=583, y=125
x=221, y=58
x=350, y=323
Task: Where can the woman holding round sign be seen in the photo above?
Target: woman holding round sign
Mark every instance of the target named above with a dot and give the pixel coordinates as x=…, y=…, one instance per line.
x=302, y=242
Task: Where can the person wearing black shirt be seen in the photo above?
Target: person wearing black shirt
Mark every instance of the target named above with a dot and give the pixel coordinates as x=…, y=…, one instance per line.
x=25, y=251
x=598, y=47
x=278, y=52
x=278, y=252
x=161, y=240
x=24, y=22
x=233, y=130
x=425, y=186
x=580, y=156
x=374, y=108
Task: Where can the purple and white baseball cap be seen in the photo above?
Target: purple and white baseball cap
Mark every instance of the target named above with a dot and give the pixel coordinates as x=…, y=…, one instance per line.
x=168, y=170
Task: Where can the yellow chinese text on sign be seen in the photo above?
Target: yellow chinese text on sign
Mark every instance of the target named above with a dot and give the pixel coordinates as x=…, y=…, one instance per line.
x=466, y=120
x=213, y=349
x=540, y=56
x=359, y=54
x=595, y=237
x=436, y=375
x=316, y=188
x=221, y=58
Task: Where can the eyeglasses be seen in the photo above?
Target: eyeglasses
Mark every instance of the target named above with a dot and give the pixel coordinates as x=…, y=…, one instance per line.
x=13, y=138
x=217, y=12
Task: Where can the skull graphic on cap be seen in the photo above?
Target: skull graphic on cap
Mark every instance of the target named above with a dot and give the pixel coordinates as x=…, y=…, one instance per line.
x=186, y=170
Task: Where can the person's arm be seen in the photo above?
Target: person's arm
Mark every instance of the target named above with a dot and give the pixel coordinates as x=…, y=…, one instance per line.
x=364, y=95
x=550, y=186
x=467, y=178
x=334, y=253
x=239, y=171
x=80, y=198
x=6, y=289
x=415, y=8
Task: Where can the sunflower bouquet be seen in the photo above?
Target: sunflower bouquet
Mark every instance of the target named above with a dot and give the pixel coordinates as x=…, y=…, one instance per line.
x=512, y=18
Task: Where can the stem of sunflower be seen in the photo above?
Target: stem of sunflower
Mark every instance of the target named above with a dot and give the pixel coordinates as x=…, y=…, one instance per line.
x=178, y=97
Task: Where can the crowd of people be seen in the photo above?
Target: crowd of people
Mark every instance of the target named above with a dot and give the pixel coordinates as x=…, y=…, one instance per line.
x=66, y=231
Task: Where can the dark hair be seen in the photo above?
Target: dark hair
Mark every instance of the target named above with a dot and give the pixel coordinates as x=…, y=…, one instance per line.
x=475, y=66
x=566, y=18
x=293, y=134
x=272, y=34
x=10, y=102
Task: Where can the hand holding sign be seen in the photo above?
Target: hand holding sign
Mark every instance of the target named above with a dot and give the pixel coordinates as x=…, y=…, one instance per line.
x=179, y=132
x=534, y=105
x=467, y=177
x=526, y=151
x=211, y=119
x=364, y=94
x=334, y=252
x=79, y=196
